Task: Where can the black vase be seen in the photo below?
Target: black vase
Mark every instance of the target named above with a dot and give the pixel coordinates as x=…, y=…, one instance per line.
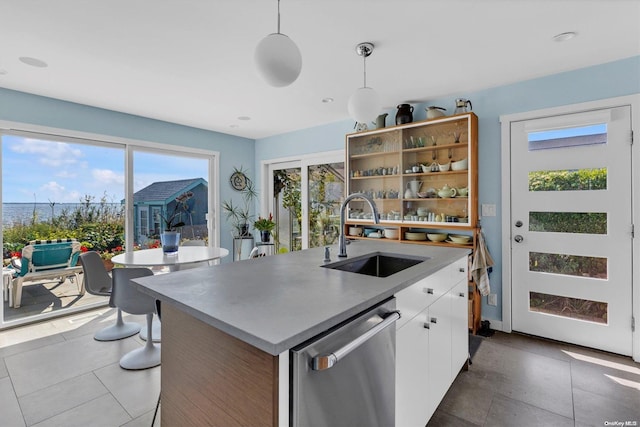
x=265, y=236
x=404, y=114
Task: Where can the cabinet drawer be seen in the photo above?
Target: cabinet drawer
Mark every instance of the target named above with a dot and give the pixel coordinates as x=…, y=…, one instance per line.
x=412, y=300
x=459, y=270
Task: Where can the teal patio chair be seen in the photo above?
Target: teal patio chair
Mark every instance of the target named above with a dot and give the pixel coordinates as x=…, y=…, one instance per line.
x=48, y=259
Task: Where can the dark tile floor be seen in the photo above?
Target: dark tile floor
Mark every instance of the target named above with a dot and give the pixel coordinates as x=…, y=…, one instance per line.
x=518, y=380
x=55, y=374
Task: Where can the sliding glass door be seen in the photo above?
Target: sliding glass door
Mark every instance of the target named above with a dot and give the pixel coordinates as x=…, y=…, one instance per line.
x=305, y=197
x=107, y=196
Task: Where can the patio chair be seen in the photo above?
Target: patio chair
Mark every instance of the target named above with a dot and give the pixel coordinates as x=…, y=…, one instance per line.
x=98, y=282
x=48, y=259
x=131, y=300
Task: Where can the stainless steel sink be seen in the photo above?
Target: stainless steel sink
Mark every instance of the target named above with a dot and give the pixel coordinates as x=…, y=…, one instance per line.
x=377, y=264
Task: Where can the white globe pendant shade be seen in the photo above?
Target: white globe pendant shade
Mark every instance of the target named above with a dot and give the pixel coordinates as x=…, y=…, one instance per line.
x=364, y=105
x=278, y=60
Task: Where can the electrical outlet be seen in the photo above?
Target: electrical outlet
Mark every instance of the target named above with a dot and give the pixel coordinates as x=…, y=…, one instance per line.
x=492, y=299
x=488, y=210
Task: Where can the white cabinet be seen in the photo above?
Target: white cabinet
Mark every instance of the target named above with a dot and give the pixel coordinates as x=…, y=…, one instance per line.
x=431, y=342
x=412, y=371
x=459, y=327
x=439, y=351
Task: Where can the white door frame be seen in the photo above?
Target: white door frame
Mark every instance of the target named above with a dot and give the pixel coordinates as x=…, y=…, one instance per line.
x=505, y=120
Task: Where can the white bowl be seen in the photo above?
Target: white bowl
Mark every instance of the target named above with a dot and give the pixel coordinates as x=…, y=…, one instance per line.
x=410, y=235
x=355, y=231
x=445, y=167
x=391, y=233
x=437, y=237
x=460, y=165
x=460, y=239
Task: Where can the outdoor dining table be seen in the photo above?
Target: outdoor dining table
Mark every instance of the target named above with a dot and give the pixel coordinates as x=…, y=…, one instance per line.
x=185, y=256
x=157, y=258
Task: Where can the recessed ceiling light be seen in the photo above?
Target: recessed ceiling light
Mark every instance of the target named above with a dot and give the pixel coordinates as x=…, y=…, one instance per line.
x=34, y=62
x=562, y=37
x=327, y=100
x=244, y=118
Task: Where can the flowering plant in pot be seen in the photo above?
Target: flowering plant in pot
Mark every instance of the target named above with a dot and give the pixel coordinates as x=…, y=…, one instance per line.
x=264, y=226
x=170, y=237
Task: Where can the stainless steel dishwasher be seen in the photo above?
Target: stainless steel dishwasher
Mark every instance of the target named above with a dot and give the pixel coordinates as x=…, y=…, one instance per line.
x=346, y=377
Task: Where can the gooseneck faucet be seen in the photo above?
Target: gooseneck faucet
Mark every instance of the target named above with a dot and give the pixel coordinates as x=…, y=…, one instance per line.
x=342, y=241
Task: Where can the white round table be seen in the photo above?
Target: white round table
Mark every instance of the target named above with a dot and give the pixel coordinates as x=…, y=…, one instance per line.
x=157, y=258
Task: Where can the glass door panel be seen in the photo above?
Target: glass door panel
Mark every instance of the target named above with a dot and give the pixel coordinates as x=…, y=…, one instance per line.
x=56, y=188
x=159, y=179
x=287, y=211
x=325, y=196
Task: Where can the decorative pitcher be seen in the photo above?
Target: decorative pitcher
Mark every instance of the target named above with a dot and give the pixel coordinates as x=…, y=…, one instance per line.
x=414, y=187
x=461, y=106
x=404, y=114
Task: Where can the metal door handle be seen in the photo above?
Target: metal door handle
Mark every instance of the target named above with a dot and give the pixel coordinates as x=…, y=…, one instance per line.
x=320, y=363
x=518, y=238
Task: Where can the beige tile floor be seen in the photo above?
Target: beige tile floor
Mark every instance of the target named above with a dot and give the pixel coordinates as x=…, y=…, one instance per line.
x=55, y=374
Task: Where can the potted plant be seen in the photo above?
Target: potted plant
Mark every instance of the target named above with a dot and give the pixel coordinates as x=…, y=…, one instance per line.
x=264, y=226
x=170, y=237
x=239, y=214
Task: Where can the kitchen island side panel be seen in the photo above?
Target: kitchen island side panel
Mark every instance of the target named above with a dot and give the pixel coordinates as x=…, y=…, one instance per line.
x=211, y=378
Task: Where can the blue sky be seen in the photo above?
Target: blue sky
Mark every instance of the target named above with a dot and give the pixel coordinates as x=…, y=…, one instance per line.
x=568, y=132
x=43, y=171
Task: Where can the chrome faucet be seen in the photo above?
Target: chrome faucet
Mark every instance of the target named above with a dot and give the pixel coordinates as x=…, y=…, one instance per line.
x=342, y=241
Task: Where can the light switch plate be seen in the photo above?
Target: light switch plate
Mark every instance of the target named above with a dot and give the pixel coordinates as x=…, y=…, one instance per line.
x=488, y=210
x=492, y=299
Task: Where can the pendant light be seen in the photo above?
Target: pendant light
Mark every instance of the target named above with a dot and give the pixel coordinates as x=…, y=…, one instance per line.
x=278, y=58
x=364, y=105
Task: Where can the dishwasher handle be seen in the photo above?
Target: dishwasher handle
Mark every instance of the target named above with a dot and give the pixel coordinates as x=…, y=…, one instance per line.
x=320, y=363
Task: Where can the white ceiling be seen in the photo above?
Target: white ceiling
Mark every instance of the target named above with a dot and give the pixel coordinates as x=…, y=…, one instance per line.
x=191, y=61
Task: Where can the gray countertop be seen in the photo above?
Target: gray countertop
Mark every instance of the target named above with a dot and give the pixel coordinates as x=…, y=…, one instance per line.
x=275, y=303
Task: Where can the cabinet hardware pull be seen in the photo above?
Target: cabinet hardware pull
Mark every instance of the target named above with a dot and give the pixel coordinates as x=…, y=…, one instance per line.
x=434, y=320
x=461, y=270
x=461, y=294
x=425, y=325
x=428, y=291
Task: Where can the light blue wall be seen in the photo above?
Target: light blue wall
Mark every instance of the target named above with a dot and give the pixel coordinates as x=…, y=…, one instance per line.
x=598, y=82
x=37, y=110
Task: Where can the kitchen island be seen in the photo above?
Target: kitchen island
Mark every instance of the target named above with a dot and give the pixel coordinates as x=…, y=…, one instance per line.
x=227, y=329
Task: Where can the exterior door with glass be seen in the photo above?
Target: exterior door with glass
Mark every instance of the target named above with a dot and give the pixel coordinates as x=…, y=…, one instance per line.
x=571, y=228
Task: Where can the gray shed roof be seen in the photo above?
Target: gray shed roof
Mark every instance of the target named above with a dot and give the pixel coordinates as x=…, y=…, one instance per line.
x=165, y=191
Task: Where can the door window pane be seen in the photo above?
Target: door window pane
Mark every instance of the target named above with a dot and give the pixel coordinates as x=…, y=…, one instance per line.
x=288, y=209
x=568, y=222
x=159, y=180
x=575, y=308
x=572, y=265
x=568, y=137
x=59, y=190
x=568, y=180
x=326, y=192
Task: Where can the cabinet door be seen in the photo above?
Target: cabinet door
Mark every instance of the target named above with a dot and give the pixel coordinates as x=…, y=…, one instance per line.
x=412, y=353
x=439, y=350
x=459, y=327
